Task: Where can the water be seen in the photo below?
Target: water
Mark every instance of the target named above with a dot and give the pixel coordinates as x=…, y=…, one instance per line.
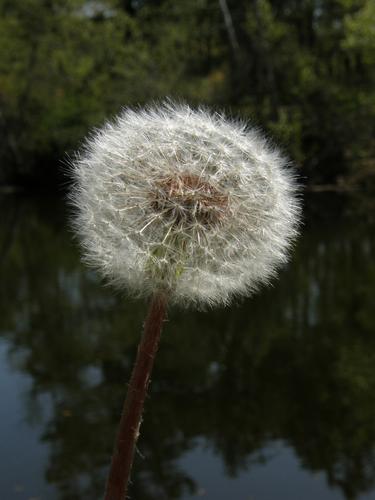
x=270, y=399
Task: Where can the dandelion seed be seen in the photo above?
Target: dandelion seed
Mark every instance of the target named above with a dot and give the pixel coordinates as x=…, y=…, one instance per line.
x=168, y=170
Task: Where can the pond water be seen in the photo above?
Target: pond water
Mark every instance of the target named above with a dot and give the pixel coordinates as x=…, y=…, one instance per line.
x=270, y=399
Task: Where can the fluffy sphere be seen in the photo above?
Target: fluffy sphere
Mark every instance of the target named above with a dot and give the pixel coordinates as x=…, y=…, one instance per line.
x=185, y=202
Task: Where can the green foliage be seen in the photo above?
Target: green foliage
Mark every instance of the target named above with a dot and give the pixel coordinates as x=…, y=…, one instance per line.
x=302, y=70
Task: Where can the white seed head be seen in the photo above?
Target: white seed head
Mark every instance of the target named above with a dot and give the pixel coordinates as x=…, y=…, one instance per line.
x=184, y=201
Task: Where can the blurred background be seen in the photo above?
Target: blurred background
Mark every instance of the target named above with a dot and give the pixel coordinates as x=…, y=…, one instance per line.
x=303, y=70
x=270, y=399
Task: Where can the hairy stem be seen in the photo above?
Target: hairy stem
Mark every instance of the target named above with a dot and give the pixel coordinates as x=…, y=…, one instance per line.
x=130, y=422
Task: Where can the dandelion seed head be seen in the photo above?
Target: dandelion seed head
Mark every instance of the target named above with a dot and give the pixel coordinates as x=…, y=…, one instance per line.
x=184, y=201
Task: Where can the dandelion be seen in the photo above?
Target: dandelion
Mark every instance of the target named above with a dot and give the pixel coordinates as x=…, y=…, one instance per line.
x=186, y=207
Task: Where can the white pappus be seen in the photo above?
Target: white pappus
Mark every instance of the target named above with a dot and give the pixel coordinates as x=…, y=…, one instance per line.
x=185, y=202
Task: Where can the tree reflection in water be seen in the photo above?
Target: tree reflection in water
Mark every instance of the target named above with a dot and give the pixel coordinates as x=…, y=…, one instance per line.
x=296, y=363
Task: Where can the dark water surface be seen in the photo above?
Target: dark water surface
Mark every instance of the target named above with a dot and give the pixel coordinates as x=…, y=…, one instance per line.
x=272, y=399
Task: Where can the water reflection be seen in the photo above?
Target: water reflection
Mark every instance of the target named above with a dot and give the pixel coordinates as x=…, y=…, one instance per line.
x=295, y=364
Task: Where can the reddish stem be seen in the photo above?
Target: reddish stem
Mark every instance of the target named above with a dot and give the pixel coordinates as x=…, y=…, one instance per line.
x=130, y=422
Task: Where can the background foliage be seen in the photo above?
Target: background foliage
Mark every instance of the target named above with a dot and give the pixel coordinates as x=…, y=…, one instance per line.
x=302, y=70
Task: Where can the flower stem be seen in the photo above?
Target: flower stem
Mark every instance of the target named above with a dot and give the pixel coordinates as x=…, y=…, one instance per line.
x=130, y=422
